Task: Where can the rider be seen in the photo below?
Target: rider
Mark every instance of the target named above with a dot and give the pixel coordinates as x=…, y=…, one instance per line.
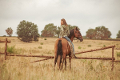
x=64, y=32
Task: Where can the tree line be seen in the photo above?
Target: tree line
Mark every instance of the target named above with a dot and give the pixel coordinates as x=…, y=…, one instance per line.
x=50, y=30
x=28, y=31
x=100, y=32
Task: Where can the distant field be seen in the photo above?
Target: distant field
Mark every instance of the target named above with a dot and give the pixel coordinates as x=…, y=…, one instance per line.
x=20, y=68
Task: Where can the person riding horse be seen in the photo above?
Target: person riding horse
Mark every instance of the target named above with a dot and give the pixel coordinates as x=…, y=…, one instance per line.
x=63, y=46
x=64, y=33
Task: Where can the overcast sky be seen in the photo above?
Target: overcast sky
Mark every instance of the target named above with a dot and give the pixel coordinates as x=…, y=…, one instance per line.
x=85, y=14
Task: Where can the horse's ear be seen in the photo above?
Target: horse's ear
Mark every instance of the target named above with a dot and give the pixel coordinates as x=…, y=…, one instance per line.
x=76, y=28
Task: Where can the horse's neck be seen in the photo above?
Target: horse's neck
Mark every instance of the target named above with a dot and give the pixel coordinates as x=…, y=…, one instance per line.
x=72, y=38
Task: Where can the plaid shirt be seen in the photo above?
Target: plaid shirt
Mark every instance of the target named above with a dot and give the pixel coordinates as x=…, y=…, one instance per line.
x=64, y=31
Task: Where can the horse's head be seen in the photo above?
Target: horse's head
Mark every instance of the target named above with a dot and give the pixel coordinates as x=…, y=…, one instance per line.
x=78, y=34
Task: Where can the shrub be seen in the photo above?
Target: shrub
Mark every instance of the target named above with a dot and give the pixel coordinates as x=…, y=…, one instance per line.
x=27, y=31
x=41, y=43
x=89, y=45
x=40, y=47
x=11, y=49
x=79, y=47
x=104, y=45
x=4, y=35
x=45, y=39
x=118, y=54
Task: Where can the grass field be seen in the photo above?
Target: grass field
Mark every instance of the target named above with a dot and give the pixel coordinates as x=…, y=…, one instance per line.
x=21, y=68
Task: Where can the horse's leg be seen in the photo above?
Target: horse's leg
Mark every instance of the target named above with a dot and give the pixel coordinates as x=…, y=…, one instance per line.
x=70, y=61
x=61, y=62
x=64, y=59
x=55, y=60
x=65, y=63
x=58, y=62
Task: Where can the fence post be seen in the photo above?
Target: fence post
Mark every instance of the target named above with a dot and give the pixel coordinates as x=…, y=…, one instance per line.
x=112, y=58
x=5, y=48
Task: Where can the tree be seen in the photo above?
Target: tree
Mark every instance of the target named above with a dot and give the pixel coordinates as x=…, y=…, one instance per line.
x=49, y=30
x=118, y=34
x=90, y=33
x=58, y=31
x=9, y=31
x=102, y=32
x=27, y=31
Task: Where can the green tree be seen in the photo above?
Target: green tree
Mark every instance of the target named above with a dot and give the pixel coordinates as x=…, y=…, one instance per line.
x=118, y=34
x=9, y=31
x=58, y=31
x=49, y=30
x=27, y=31
x=90, y=33
x=102, y=32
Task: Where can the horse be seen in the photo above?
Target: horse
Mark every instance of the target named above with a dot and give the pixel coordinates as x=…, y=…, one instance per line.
x=62, y=48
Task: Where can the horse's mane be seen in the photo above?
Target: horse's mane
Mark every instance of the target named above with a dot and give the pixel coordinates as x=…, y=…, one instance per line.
x=71, y=33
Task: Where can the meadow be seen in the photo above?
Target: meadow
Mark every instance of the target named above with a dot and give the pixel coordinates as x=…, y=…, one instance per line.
x=21, y=68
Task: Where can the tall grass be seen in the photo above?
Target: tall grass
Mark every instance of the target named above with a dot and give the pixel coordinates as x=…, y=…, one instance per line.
x=4, y=72
x=88, y=70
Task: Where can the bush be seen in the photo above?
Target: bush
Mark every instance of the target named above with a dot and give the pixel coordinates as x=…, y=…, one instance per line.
x=118, y=54
x=11, y=49
x=79, y=47
x=118, y=34
x=27, y=31
x=40, y=47
x=89, y=45
x=41, y=43
x=4, y=35
x=104, y=45
x=45, y=39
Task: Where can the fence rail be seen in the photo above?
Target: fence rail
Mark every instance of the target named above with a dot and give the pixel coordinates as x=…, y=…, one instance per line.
x=95, y=49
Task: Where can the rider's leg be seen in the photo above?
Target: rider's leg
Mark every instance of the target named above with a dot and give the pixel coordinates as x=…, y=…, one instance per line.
x=72, y=47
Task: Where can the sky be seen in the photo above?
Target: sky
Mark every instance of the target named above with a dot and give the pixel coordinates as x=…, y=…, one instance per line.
x=85, y=14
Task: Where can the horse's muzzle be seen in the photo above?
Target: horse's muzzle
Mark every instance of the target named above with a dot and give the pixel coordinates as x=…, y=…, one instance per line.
x=80, y=39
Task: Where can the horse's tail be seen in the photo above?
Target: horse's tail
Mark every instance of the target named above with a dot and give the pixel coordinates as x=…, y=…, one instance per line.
x=59, y=50
x=59, y=53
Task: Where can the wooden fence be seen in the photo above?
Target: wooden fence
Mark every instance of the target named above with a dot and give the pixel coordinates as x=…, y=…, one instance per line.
x=51, y=57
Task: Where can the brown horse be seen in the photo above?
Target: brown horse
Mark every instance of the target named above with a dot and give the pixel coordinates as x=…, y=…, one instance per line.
x=62, y=48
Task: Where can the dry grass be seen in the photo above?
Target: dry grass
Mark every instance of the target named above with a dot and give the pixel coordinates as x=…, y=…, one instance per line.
x=20, y=68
